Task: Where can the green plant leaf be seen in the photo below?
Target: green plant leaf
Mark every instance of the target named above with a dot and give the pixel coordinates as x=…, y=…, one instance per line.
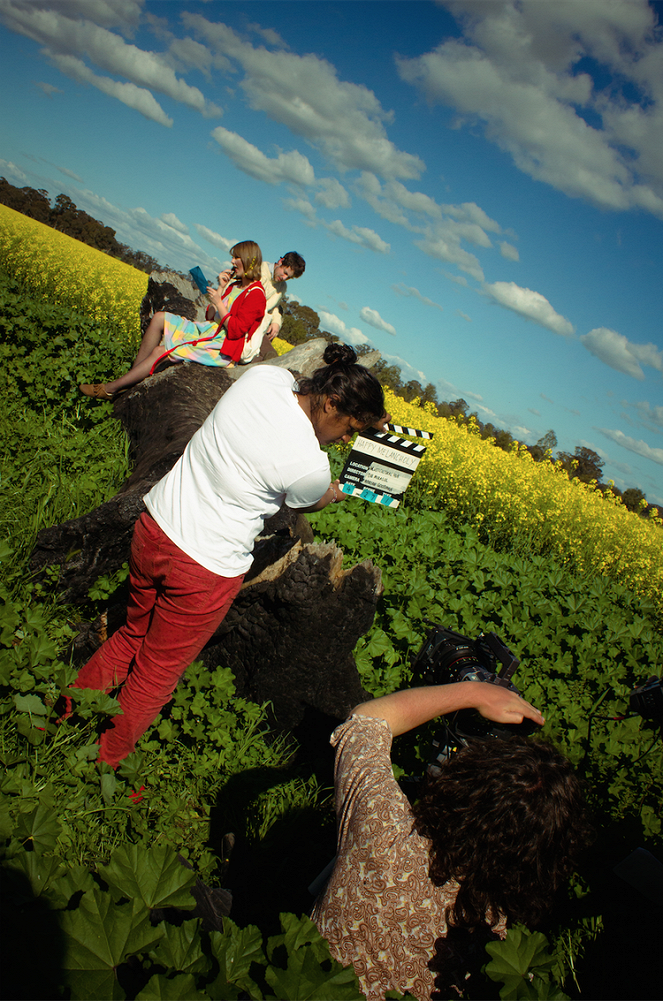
x=99, y=935
x=305, y=977
x=40, y=827
x=180, y=948
x=179, y=988
x=235, y=949
x=154, y=875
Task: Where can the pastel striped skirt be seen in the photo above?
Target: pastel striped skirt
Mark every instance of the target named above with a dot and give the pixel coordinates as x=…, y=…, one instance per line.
x=180, y=337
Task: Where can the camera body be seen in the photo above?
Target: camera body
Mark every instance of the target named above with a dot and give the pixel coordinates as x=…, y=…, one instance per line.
x=448, y=657
x=647, y=700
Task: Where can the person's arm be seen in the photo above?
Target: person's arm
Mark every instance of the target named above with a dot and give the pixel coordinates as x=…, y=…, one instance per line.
x=333, y=495
x=412, y=707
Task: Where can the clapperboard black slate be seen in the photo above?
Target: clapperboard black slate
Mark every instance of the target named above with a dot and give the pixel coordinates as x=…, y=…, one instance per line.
x=380, y=465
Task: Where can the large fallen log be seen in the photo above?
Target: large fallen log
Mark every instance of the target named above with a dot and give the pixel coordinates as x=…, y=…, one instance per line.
x=290, y=633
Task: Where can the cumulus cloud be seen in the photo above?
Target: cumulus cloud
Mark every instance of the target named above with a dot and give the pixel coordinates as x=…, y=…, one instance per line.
x=446, y=247
x=292, y=166
x=302, y=205
x=509, y=251
x=407, y=371
x=69, y=34
x=373, y=318
x=214, y=238
x=456, y=279
x=7, y=167
x=531, y=305
x=48, y=88
x=332, y=194
x=335, y=325
x=138, y=98
x=638, y=446
x=518, y=69
x=171, y=220
x=345, y=121
x=360, y=235
x=408, y=290
x=621, y=354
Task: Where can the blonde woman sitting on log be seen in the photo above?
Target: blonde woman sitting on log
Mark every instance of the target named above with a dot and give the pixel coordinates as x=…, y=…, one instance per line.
x=240, y=307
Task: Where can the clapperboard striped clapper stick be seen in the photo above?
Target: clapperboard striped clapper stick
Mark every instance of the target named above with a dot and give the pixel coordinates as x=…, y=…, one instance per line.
x=380, y=465
x=412, y=432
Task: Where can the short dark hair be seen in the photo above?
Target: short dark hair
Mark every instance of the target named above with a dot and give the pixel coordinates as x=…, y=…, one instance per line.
x=507, y=819
x=295, y=261
x=355, y=390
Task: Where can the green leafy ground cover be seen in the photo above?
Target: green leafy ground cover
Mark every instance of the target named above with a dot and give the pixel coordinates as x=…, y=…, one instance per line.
x=84, y=862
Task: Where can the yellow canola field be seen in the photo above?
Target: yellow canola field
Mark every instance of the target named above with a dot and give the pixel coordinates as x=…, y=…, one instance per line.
x=534, y=505
x=531, y=506
x=69, y=273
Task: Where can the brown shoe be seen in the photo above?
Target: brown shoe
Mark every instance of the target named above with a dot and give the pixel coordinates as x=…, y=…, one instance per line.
x=96, y=390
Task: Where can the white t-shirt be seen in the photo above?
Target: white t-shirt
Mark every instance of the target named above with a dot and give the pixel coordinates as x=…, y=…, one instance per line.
x=256, y=449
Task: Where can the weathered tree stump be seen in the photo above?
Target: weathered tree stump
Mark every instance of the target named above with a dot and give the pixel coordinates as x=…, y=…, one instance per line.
x=290, y=633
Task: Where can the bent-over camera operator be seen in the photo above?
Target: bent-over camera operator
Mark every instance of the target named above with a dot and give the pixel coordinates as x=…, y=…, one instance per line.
x=491, y=839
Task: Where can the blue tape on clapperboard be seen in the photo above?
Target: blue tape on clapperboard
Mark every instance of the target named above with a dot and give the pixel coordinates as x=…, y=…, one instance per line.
x=380, y=467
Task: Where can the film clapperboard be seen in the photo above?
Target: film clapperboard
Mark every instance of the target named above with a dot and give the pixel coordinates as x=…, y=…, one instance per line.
x=381, y=464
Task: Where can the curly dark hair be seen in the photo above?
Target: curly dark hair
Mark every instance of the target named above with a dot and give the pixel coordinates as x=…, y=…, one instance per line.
x=355, y=390
x=507, y=819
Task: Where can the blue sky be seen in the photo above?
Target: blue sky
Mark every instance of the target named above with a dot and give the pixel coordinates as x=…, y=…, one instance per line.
x=477, y=187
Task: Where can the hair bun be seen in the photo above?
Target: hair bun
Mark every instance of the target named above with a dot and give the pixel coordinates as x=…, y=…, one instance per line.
x=340, y=354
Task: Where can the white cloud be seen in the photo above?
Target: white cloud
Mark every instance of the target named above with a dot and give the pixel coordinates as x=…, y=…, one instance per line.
x=634, y=445
x=464, y=315
x=446, y=247
x=407, y=290
x=69, y=173
x=344, y=120
x=408, y=373
x=48, y=88
x=621, y=354
x=531, y=305
x=332, y=194
x=509, y=251
x=484, y=410
x=7, y=167
x=302, y=205
x=334, y=324
x=171, y=220
x=650, y=415
x=292, y=166
x=134, y=97
x=518, y=69
x=457, y=279
x=69, y=39
x=214, y=238
x=138, y=229
x=373, y=318
x=360, y=235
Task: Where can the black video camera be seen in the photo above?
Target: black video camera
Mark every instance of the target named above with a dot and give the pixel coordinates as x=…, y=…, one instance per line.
x=448, y=657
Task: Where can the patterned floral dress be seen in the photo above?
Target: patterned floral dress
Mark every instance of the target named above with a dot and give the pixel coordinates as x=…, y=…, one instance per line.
x=380, y=911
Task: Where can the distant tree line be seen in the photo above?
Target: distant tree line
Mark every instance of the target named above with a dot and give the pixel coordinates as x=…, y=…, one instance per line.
x=301, y=323
x=64, y=216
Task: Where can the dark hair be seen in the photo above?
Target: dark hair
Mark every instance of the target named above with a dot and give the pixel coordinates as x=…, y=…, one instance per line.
x=355, y=390
x=506, y=819
x=295, y=261
x=250, y=255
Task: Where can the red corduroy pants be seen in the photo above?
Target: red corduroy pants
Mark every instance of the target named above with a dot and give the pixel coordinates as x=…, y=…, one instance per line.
x=174, y=608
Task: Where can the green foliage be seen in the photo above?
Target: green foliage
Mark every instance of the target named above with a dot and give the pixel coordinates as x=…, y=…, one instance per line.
x=522, y=963
x=583, y=642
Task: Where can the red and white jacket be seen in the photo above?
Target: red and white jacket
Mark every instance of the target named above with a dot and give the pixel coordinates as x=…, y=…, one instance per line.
x=245, y=316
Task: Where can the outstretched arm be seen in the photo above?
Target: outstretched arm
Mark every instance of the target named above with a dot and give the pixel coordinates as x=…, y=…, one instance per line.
x=412, y=707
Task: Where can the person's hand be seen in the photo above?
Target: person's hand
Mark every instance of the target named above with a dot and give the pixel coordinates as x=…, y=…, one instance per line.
x=225, y=277
x=215, y=295
x=272, y=331
x=502, y=705
x=381, y=425
x=337, y=493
